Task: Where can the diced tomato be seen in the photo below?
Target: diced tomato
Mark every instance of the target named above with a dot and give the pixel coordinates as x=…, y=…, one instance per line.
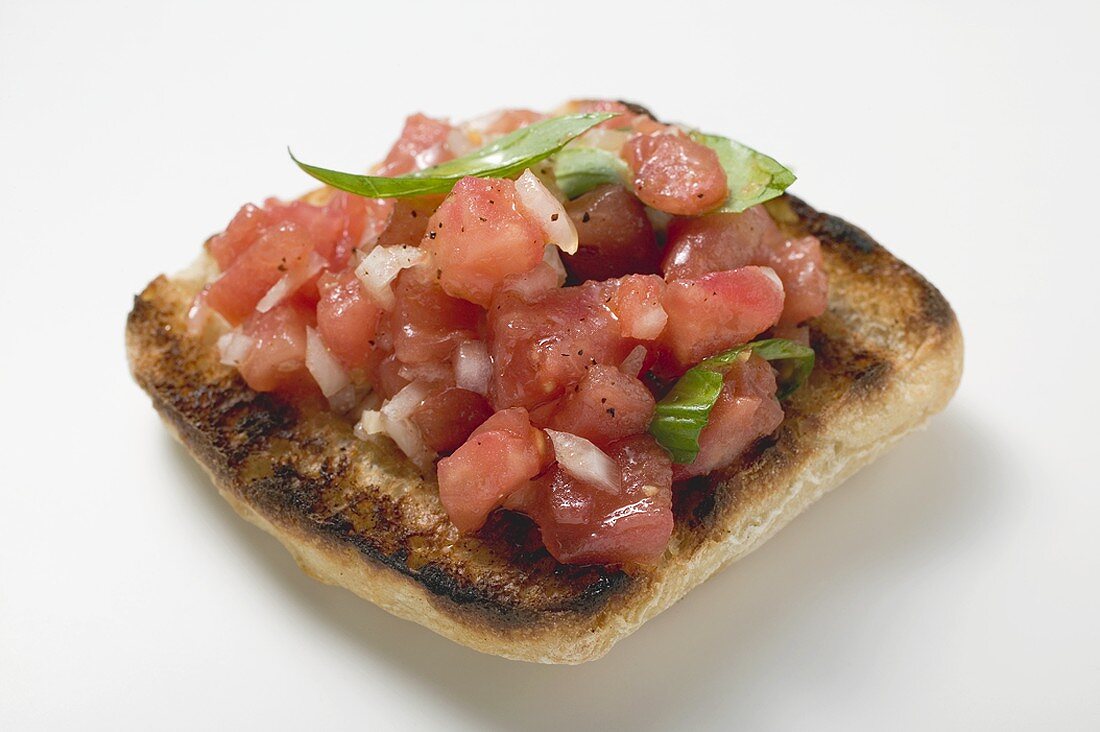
x=358, y=220
x=242, y=232
x=718, y=311
x=334, y=229
x=423, y=143
x=582, y=524
x=428, y=323
x=615, y=236
x=409, y=220
x=338, y=226
x=252, y=274
x=481, y=275
x=277, y=358
x=727, y=241
x=541, y=346
x=347, y=318
x=499, y=457
x=604, y=406
x=479, y=236
x=675, y=174
x=447, y=416
x=638, y=305
x=746, y=410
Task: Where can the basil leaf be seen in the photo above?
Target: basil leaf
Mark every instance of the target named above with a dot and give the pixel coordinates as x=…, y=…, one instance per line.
x=683, y=413
x=500, y=159
x=752, y=177
x=580, y=169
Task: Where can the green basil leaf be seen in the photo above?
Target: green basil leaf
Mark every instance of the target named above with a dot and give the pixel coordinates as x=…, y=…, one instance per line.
x=504, y=157
x=683, y=413
x=580, y=169
x=752, y=177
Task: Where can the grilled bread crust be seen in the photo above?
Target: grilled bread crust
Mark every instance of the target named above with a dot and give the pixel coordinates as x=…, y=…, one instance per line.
x=359, y=515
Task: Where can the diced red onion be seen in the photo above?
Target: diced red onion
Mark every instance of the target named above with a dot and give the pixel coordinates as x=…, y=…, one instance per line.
x=473, y=367
x=547, y=212
x=584, y=461
x=233, y=347
x=382, y=265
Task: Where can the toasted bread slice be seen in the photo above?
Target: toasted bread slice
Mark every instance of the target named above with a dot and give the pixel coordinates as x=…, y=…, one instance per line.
x=359, y=515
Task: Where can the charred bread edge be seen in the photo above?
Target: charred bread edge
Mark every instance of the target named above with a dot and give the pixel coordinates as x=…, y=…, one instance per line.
x=890, y=356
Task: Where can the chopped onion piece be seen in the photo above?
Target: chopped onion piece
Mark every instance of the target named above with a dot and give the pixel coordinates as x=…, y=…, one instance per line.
x=551, y=255
x=600, y=137
x=289, y=283
x=275, y=295
x=372, y=422
x=405, y=402
x=584, y=461
x=547, y=212
x=547, y=275
x=649, y=324
x=485, y=121
x=459, y=142
x=403, y=432
x=328, y=373
x=379, y=268
x=410, y=441
x=233, y=347
x=473, y=367
x=632, y=364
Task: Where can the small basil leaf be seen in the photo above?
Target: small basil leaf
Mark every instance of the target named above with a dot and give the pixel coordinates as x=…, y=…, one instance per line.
x=504, y=157
x=580, y=169
x=752, y=177
x=682, y=414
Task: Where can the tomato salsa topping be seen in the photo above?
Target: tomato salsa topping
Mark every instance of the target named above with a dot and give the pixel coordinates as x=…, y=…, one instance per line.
x=560, y=315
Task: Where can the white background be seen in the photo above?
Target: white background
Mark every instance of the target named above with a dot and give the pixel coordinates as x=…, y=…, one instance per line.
x=954, y=584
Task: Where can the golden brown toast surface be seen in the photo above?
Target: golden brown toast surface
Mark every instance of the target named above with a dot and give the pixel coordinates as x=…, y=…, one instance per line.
x=359, y=515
